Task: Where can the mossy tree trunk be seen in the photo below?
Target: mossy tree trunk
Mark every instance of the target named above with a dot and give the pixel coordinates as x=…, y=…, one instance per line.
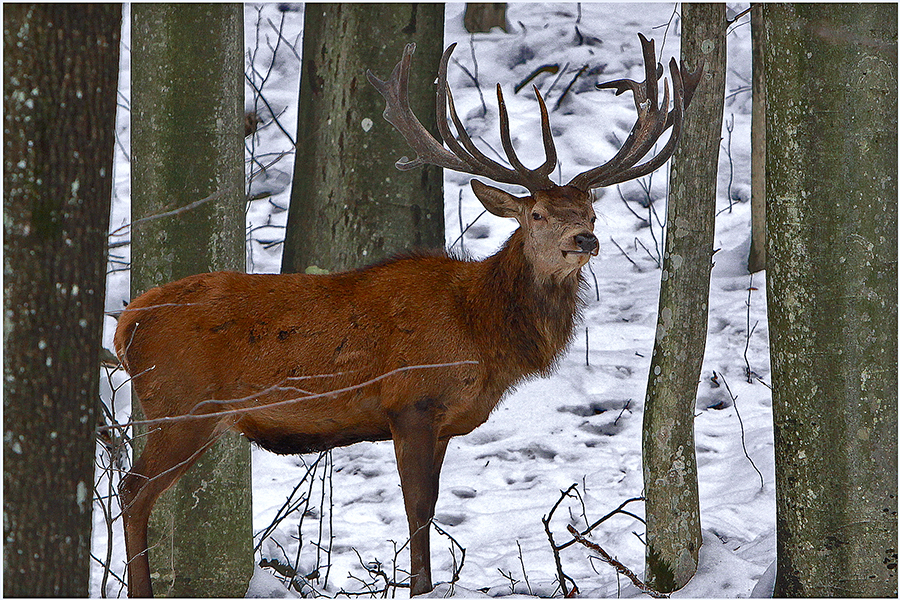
x=60, y=68
x=831, y=162
x=349, y=205
x=669, y=460
x=187, y=145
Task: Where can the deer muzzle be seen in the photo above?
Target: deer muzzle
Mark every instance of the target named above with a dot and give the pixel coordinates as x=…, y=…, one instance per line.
x=587, y=243
x=582, y=247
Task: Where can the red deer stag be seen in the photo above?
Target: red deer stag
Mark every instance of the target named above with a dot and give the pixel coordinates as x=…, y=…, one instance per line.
x=416, y=349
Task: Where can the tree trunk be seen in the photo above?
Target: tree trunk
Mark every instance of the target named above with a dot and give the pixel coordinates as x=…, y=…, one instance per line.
x=187, y=144
x=669, y=461
x=831, y=164
x=60, y=67
x=481, y=17
x=349, y=204
x=757, y=259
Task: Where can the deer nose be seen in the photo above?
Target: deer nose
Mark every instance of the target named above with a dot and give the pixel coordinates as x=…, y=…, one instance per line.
x=587, y=242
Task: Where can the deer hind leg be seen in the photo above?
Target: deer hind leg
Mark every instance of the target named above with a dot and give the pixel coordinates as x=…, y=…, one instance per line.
x=419, y=458
x=170, y=450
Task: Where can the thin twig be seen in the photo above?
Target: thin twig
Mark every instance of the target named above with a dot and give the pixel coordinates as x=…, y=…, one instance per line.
x=618, y=566
x=622, y=412
x=750, y=330
x=560, y=575
x=473, y=76
x=116, y=462
x=762, y=483
x=277, y=388
x=116, y=577
x=617, y=511
x=587, y=347
x=330, y=518
x=733, y=20
x=729, y=128
x=657, y=244
x=524, y=572
x=555, y=81
x=454, y=577
x=214, y=196
x=459, y=239
x=552, y=69
x=569, y=87
x=289, y=506
x=303, y=513
x=625, y=254
x=512, y=580
x=271, y=110
x=668, y=24
x=287, y=42
x=628, y=206
x=638, y=242
x=596, y=285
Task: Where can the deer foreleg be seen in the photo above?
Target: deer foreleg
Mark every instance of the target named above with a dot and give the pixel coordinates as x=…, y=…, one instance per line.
x=419, y=458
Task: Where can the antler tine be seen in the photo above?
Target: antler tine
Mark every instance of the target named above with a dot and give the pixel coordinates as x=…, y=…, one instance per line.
x=647, y=89
x=477, y=160
x=647, y=128
x=467, y=151
x=462, y=155
x=538, y=178
x=648, y=47
x=398, y=113
x=685, y=84
x=471, y=155
x=652, y=121
x=673, y=119
x=546, y=135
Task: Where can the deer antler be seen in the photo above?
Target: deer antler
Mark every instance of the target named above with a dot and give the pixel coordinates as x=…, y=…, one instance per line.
x=652, y=121
x=463, y=155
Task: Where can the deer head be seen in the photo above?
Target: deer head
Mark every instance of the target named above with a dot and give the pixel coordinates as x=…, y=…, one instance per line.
x=556, y=220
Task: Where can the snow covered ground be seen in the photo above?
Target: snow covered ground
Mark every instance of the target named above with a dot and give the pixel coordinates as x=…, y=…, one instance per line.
x=583, y=424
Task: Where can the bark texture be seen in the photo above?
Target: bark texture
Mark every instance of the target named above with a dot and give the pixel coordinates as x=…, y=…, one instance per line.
x=187, y=145
x=757, y=259
x=831, y=159
x=349, y=204
x=669, y=460
x=60, y=68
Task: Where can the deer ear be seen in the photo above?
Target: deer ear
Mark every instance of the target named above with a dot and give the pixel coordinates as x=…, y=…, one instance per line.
x=496, y=201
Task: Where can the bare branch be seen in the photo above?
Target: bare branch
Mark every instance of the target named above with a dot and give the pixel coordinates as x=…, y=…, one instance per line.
x=762, y=482
x=560, y=575
x=606, y=517
x=214, y=196
x=279, y=387
x=619, y=567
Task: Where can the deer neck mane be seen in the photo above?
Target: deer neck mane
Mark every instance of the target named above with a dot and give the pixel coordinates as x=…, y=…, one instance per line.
x=530, y=321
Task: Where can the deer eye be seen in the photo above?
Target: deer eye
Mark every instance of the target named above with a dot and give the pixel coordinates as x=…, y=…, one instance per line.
x=536, y=216
x=593, y=220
